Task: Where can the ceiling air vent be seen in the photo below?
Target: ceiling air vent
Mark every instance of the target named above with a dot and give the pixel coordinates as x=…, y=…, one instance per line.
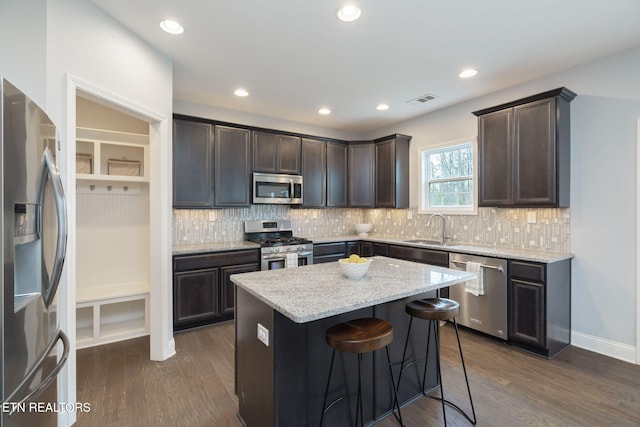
x=422, y=99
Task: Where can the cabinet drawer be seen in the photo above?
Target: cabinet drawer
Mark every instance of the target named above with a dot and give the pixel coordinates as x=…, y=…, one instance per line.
x=338, y=248
x=212, y=260
x=426, y=256
x=528, y=271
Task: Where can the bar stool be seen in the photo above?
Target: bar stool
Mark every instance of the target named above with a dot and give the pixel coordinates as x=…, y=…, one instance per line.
x=435, y=310
x=359, y=336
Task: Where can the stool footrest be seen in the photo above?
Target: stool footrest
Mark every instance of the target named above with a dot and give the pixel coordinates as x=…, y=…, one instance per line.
x=453, y=405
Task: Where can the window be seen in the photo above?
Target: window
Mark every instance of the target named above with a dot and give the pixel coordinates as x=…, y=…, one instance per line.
x=448, y=178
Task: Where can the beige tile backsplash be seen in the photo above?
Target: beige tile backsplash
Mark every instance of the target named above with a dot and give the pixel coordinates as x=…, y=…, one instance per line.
x=508, y=228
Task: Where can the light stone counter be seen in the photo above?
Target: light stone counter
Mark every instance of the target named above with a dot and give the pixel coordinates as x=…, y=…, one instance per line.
x=195, y=248
x=490, y=251
x=318, y=291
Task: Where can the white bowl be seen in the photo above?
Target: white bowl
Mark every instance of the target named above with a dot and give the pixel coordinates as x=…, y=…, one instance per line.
x=354, y=271
x=363, y=229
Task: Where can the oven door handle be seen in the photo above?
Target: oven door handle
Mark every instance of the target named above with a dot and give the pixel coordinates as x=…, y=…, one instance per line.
x=283, y=255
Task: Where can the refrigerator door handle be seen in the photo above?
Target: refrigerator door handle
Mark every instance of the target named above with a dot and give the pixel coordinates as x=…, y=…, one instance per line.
x=50, y=170
x=36, y=392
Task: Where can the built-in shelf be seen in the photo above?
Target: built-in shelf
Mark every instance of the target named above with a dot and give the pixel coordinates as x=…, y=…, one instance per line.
x=102, y=147
x=106, y=317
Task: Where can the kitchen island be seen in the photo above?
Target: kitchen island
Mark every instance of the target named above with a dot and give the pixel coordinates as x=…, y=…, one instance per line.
x=282, y=358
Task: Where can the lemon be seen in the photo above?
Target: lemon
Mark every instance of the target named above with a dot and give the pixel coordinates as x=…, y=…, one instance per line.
x=354, y=258
x=361, y=261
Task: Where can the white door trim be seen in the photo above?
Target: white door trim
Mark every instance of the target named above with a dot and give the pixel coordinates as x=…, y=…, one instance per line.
x=637, y=245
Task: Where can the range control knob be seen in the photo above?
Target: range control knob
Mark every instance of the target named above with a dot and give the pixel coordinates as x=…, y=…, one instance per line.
x=274, y=250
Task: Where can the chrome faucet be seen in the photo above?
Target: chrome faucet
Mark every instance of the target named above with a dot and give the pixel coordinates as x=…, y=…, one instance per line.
x=444, y=227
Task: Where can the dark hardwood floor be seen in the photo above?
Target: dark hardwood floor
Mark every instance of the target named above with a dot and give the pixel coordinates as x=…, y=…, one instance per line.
x=510, y=387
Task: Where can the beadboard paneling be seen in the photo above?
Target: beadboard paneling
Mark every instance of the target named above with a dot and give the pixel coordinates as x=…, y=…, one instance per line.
x=112, y=239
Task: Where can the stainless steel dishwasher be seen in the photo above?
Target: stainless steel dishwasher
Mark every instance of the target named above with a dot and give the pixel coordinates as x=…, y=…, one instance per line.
x=485, y=313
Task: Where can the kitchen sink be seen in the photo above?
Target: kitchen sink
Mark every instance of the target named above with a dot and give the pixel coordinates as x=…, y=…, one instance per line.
x=425, y=242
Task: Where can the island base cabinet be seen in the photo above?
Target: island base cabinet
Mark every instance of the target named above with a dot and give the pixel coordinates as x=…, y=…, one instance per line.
x=283, y=383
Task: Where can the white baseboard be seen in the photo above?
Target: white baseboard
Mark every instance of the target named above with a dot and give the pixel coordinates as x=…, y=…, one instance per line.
x=604, y=346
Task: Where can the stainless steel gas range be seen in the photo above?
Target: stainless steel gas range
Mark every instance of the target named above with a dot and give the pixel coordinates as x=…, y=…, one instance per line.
x=278, y=247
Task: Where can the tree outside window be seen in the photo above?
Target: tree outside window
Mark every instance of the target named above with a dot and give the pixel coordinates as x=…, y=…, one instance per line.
x=448, y=178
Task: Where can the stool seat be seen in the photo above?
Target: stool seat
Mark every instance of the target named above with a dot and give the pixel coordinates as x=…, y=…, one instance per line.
x=433, y=308
x=360, y=335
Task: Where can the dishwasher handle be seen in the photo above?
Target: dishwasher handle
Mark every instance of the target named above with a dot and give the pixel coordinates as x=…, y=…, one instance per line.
x=499, y=268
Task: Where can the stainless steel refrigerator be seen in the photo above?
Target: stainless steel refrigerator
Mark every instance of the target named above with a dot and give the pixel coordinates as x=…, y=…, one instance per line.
x=34, y=235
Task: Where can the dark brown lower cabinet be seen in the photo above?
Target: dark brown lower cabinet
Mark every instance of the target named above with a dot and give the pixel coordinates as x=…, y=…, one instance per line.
x=425, y=256
x=202, y=289
x=540, y=306
x=527, y=317
x=329, y=252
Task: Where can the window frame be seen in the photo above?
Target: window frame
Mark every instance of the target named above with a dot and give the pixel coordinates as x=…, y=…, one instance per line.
x=424, y=183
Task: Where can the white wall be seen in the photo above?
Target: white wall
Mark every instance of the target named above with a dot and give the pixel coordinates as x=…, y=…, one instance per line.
x=248, y=119
x=603, y=190
x=23, y=32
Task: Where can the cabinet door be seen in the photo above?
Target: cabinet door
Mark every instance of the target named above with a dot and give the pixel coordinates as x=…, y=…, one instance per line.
x=227, y=286
x=366, y=249
x=195, y=297
x=265, y=152
x=353, y=248
x=192, y=164
x=495, y=158
x=385, y=174
x=528, y=313
x=535, y=153
x=337, y=174
x=289, y=154
x=232, y=167
x=361, y=174
x=314, y=173
x=275, y=153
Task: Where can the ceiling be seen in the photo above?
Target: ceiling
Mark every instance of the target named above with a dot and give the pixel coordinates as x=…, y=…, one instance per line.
x=295, y=56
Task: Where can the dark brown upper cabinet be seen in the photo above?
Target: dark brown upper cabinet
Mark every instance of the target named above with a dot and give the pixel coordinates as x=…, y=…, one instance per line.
x=524, y=151
x=232, y=171
x=337, y=166
x=192, y=164
x=314, y=173
x=392, y=172
x=361, y=157
x=276, y=153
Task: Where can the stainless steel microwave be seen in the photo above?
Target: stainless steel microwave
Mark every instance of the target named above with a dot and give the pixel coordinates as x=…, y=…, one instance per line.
x=272, y=188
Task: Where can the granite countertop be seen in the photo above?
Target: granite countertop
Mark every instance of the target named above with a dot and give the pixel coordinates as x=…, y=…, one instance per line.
x=490, y=251
x=196, y=248
x=317, y=291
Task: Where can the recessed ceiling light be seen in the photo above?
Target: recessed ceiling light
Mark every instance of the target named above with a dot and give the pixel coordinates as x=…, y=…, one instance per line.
x=382, y=107
x=171, y=27
x=349, y=13
x=469, y=72
x=324, y=111
x=241, y=92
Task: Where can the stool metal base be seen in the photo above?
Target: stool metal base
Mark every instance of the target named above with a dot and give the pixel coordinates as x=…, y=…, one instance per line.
x=434, y=324
x=359, y=408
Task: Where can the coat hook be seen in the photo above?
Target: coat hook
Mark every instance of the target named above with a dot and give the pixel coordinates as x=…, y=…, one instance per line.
x=109, y=187
x=125, y=188
x=92, y=187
